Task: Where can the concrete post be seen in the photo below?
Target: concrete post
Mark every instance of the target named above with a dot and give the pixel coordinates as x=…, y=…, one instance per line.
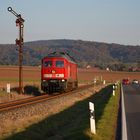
x=92, y=118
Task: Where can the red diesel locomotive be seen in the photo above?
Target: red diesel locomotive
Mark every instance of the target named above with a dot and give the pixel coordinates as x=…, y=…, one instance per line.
x=58, y=73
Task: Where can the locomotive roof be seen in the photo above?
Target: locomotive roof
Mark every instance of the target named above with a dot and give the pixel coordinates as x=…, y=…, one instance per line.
x=62, y=55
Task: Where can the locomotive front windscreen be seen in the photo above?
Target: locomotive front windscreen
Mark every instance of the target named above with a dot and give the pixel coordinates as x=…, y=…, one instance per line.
x=60, y=63
x=48, y=64
x=57, y=63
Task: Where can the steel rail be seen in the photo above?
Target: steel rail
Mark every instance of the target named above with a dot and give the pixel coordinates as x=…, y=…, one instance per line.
x=15, y=102
x=33, y=100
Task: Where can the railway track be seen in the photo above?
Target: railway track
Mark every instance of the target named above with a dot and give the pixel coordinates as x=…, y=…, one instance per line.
x=33, y=100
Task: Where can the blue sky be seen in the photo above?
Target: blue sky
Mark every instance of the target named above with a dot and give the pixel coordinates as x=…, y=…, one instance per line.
x=111, y=21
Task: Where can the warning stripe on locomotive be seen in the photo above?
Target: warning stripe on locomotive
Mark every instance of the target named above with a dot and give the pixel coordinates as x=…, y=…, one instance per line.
x=53, y=75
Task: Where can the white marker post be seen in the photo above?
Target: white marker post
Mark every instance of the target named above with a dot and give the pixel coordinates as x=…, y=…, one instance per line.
x=94, y=80
x=113, y=90
x=8, y=88
x=92, y=118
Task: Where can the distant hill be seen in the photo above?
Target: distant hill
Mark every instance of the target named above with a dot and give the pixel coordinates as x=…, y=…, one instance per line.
x=84, y=52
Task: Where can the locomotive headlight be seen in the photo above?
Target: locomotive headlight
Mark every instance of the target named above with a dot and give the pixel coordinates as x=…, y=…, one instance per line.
x=53, y=71
x=63, y=80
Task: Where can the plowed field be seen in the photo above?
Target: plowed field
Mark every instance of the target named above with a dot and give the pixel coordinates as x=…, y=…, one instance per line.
x=33, y=75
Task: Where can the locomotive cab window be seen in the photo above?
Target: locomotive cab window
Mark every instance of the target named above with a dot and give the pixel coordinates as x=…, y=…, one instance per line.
x=48, y=64
x=60, y=64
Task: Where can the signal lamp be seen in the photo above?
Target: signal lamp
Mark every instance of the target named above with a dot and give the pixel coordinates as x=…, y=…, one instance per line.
x=9, y=9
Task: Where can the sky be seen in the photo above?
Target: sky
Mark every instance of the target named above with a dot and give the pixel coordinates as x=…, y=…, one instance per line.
x=110, y=21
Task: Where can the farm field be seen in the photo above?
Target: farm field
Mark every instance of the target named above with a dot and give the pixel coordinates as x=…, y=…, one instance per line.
x=32, y=75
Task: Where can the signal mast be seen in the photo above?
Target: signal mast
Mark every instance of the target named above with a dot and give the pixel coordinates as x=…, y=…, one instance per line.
x=19, y=42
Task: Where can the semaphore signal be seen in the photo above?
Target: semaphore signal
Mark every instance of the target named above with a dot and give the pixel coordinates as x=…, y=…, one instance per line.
x=19, y=42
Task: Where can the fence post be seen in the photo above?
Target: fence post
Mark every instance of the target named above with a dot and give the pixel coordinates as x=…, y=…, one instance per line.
x=92, y=118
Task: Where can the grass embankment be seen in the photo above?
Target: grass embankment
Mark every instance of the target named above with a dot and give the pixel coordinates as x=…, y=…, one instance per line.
x=107, y=123
x=73, y=123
